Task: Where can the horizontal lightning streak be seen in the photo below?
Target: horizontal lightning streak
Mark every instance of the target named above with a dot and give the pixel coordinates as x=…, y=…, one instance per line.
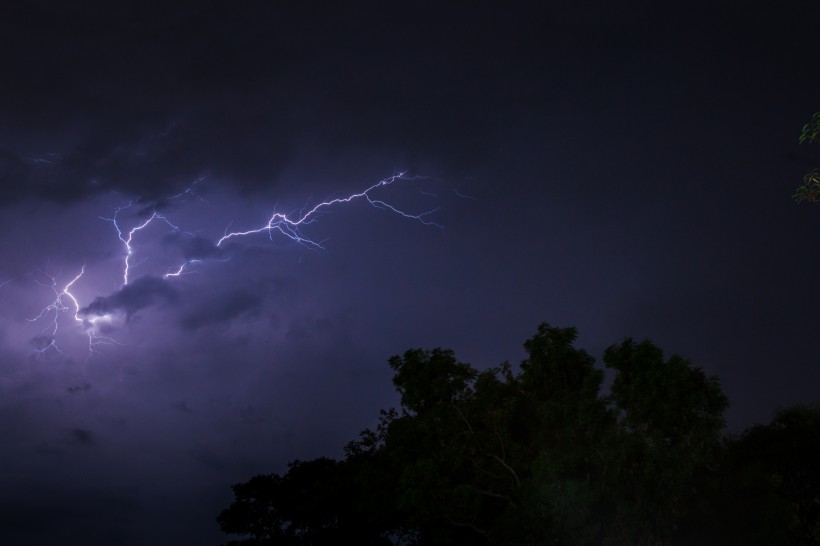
x=284, y=224
x=290, y=227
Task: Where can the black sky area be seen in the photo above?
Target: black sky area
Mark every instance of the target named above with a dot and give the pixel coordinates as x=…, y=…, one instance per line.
x=622, y=167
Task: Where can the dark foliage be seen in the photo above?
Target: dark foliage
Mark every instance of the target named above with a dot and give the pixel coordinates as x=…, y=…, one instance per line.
x=809, y=190
x=540, y=456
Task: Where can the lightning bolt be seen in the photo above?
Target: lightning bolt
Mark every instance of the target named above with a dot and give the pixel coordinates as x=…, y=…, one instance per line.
x=289, y=226
x=126, y=239
x=180, y=270
x=283, y=224
x=61, y=304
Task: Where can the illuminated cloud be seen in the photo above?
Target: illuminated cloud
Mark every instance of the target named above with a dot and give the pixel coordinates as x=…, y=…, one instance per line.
x=133, y=297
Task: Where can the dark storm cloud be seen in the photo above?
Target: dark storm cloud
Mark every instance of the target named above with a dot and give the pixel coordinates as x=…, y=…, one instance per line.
x=141, y=293
x=193, y=247
x=249, y=149
x=252, y=416
x=150, y=162
x=619, y=155
x=20, y=176
x=81, y=436
x=41, y=342
x=223, y=308
x=36, y=514
x=207, y=457
x=308, y=329
x=148, y=113
x=141, y=113
x=182, y=406
x=79, y=388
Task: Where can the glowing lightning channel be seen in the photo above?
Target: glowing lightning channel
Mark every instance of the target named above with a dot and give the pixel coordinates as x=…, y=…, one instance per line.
x=180, y=270
x=290, y=227
x=127, y=240
x=59, y=305
x=278, y=222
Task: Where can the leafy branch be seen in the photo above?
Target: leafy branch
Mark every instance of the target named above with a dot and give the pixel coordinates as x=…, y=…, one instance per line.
x=811, y=130
x=809, y=190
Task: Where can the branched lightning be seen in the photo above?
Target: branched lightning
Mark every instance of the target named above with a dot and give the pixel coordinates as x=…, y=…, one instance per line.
x=289, y=226
x=278, y=223
x=180, y=270
x=126, y=240
x=59, y=305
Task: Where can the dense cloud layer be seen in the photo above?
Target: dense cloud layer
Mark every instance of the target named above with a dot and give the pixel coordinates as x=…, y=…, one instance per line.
x=623, y=170
x=141, y=293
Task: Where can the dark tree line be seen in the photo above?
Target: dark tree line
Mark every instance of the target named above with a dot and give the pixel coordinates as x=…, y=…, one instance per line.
x=537, y=455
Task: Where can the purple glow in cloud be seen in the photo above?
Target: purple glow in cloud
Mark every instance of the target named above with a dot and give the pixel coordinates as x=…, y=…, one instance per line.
x=135, y=295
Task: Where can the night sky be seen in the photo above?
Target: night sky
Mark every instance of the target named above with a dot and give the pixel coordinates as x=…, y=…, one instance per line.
x=622, y=167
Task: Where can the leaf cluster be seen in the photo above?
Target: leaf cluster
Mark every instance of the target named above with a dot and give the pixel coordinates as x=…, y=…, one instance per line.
x=538, y=454
x=809, y=190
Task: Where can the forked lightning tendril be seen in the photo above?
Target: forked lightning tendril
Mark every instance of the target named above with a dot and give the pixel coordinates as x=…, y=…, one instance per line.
x=59, y=305
x=289, y=226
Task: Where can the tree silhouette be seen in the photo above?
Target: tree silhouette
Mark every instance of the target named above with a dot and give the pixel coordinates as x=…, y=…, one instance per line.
x=536, y=454
x=809, y=190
